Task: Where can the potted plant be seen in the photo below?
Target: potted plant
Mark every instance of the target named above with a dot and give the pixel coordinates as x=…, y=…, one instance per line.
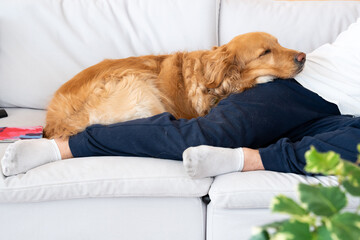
x=320, y=213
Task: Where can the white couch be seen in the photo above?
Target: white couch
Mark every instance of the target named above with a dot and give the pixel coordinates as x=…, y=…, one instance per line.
x=43, y=43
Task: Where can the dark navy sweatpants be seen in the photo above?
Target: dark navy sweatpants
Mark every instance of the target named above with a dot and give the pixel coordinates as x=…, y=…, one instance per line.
x=282, y=119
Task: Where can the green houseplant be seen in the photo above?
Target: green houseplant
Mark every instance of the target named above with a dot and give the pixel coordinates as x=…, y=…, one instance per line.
x=319, y=215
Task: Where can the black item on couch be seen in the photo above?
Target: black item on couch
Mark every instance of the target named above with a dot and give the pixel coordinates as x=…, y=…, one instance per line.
x=3, y=113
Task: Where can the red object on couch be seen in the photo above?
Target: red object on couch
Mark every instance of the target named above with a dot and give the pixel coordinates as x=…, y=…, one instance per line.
x=12, y=134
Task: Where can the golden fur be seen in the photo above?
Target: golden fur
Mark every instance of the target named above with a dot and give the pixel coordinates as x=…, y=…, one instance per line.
x=186, y=84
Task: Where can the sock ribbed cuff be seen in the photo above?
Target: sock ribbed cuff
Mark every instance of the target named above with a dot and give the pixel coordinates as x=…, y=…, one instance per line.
x=56, y=149
x=241, y=158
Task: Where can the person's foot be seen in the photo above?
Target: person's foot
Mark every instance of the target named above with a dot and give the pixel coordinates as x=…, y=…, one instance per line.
x=24, y=155
x=207, y=161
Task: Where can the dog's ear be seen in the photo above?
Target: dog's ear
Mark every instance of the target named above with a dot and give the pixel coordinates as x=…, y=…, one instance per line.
x=221, y=64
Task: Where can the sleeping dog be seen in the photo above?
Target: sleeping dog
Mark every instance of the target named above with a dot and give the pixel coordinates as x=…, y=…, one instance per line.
x=186, y=84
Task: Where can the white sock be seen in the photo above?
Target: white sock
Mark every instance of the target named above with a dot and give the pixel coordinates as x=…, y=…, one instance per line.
x=207, y=161
x=24, y=155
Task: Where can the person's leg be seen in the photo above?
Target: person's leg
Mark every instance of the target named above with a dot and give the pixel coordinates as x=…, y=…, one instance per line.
x=254, y=118
x=340, y=134
x=242, y=159
x=208, y=161
x=24, y=155
x=63, y=145
x=36, y=152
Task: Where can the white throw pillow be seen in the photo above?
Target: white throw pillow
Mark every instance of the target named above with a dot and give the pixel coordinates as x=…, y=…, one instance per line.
x=333, y=71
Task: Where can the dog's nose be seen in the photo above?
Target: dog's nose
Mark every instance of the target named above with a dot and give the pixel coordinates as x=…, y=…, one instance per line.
x=300, y=57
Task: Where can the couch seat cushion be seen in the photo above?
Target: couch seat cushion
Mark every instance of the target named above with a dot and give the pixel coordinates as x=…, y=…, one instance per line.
x=95, y=176
x=257, y=189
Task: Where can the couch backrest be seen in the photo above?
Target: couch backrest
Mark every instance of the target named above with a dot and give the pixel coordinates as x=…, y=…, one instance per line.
x=44, y=43
x=301, y=25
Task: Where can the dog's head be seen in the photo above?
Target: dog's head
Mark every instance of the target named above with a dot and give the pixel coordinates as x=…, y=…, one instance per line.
x=255, y=57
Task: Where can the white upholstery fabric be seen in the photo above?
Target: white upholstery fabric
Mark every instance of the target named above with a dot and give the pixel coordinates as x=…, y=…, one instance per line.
x=45, y=43
x=97, y=176
x=333, y=71
x=105, y=219
x=256, y=189
x=22, y=117
x=236, y=224
x=301, y=25
x=102, y=177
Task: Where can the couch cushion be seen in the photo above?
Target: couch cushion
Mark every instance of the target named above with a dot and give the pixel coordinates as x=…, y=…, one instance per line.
x=44, y=43
x=142, y=218
x=257, y=189
x=302, y=25
x=102, y=177
x=95, y=176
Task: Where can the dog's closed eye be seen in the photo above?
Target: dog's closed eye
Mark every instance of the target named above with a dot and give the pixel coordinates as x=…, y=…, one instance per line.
x=267, y=51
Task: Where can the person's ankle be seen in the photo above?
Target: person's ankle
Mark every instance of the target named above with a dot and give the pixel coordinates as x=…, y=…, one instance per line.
x=252, y=160
x=63, y=145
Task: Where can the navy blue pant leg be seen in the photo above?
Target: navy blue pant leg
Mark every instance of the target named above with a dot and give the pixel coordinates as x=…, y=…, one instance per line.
x=336, y=133
x=255, y=118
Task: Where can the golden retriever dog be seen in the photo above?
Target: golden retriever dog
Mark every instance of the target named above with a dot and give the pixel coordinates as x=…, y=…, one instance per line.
x=185, y=84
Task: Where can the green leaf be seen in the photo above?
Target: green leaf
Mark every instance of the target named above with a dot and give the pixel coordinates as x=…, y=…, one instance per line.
x=351, y=180
x=260, y=234
x=344, y=226
x=274, y=225
x=351, y=188
x=358, y=148
x=283, y=204
x=351, y=169
x=323, y=201
x=325, y=163
x=293, y=230
x=323, y=233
